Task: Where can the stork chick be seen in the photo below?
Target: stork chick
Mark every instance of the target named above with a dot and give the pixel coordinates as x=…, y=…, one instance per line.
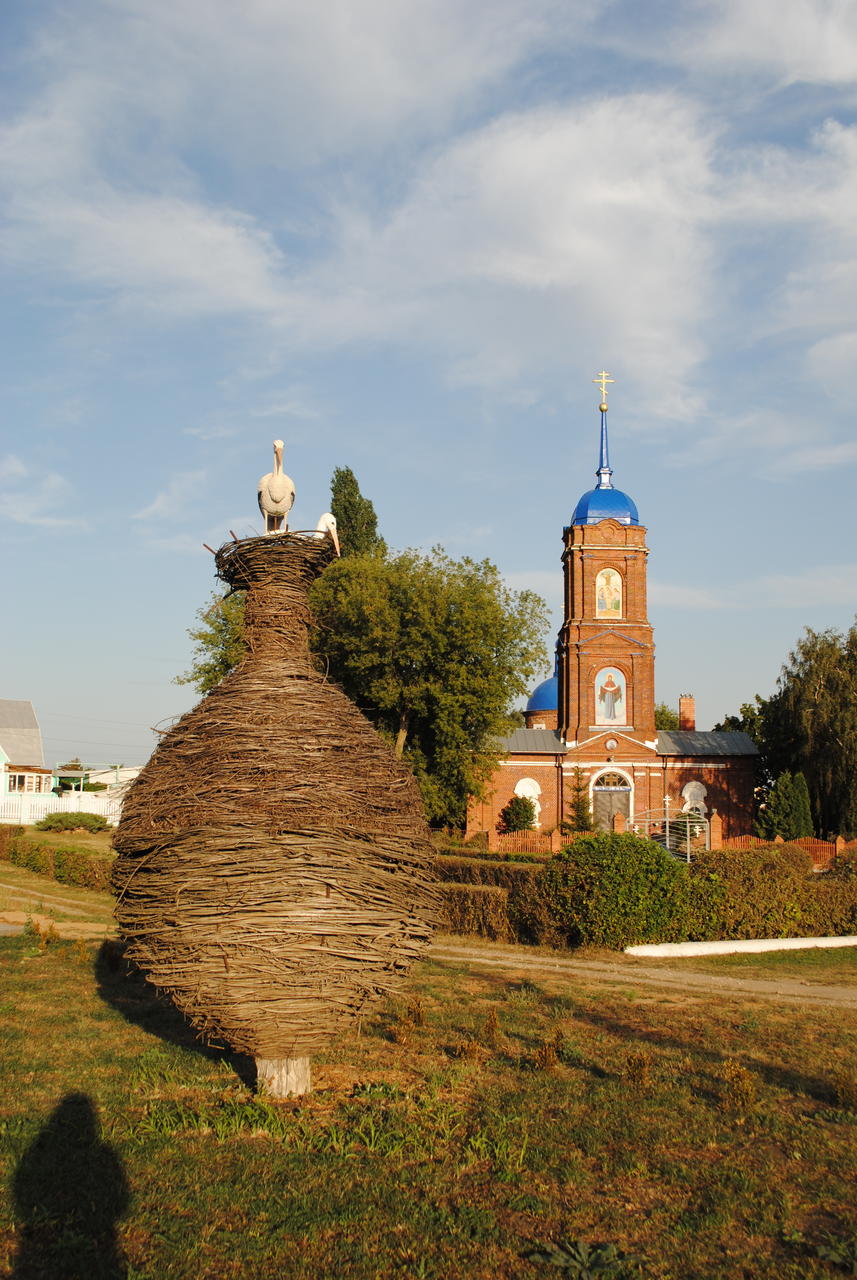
x=276, y=494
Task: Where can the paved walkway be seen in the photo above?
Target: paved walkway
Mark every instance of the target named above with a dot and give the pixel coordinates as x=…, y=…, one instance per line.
x=629, y=973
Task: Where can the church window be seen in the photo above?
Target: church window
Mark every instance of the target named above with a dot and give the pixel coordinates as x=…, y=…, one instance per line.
x=608, y=594
x=530, y=790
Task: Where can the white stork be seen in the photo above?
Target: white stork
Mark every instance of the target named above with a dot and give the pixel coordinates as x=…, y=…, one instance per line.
x=327, y=527
x=276, y=494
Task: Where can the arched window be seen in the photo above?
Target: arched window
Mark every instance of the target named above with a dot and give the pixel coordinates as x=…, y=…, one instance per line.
x=608, y=594
x=529, y=789
x=693, y=794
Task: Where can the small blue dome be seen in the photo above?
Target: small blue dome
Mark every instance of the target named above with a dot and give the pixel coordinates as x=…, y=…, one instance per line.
x=545, y=696
x=605, y=503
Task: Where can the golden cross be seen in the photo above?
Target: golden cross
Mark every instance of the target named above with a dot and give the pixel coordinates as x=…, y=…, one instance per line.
x=601, y=381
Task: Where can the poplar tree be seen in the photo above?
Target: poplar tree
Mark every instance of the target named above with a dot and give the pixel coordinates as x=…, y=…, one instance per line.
x=356, y=521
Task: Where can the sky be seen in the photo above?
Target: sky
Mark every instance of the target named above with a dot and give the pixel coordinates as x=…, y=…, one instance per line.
x=404, y=236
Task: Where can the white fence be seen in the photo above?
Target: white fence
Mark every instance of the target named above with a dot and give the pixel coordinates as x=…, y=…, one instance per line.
x=25, y=809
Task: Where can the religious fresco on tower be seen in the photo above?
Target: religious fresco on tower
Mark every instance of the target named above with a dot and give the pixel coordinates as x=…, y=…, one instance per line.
x=608, y=594
x=610, y=697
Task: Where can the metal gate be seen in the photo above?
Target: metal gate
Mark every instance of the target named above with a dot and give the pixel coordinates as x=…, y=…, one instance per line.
x=681, y=833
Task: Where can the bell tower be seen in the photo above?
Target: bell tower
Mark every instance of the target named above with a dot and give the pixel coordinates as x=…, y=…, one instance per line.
x=606, y=650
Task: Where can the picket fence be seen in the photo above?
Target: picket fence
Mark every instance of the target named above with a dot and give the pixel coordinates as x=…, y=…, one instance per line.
x=23, y=810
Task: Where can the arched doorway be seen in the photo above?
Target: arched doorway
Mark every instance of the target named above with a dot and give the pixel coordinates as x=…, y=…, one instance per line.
x=611, y=794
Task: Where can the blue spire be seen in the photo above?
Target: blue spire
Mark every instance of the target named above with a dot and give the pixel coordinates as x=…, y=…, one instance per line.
x=604, y=502
x=604, y=471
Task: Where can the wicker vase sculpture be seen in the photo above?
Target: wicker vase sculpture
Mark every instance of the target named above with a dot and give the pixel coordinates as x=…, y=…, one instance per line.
x=274, y=871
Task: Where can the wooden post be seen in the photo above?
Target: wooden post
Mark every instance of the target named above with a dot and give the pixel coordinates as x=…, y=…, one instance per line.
x=620, y=823
x=715, y=830
x=839, y=844
x=283, y=1077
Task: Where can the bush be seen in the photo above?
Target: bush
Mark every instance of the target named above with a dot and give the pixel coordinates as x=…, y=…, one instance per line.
x=66, y=864
x=72, y=822
x=483, y=871
x=765, y=892
x=605, y=890
x=477, y=909
x=518, y=815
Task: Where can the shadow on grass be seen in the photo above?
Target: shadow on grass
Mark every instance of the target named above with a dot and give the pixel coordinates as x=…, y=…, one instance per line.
x=70, y=1190
x=791, y=1081
x=125, y=989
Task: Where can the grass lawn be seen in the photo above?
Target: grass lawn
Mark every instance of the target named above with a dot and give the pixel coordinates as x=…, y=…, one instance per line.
x=100, y=842
x=469, y=1130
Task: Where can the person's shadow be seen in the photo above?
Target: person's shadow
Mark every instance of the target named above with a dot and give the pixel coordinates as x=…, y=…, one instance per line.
x=70, y=1189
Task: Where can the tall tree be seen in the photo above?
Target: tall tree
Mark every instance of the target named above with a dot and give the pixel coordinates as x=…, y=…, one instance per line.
x=433, y=650
x=809, y=726
x=356, y=520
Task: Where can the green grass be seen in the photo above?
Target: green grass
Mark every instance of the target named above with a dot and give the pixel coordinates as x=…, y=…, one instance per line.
x=478, y=1127
x=833, y=965
x=100, y=842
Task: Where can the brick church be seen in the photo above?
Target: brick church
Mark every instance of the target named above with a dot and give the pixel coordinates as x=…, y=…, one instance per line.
x=592, y=724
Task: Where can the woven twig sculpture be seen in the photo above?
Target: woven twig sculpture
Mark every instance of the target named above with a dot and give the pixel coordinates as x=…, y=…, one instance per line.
x=274, y=870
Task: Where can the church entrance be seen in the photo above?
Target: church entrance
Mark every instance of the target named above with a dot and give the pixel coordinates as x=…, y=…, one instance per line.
x=611, y=794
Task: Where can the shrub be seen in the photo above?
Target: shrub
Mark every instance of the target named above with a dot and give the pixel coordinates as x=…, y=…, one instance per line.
x=72, y=822
x=518, y=815
x=605, y=890
x=66, y=864
x=477, y=909
x=765, y=892
x=483, y=871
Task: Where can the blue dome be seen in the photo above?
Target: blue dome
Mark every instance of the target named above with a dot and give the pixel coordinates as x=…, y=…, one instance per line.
x=545, y=696
x=605, y=503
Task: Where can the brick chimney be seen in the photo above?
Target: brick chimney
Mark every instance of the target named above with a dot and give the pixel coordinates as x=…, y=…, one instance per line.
x=686, y=711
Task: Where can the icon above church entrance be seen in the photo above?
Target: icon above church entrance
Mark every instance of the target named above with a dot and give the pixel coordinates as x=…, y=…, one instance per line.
x=610, y=697
x=608, y=594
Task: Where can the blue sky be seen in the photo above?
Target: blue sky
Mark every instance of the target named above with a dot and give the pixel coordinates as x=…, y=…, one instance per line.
x=404, y=235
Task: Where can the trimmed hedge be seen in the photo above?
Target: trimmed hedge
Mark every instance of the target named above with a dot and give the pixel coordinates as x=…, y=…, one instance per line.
x=73, y=821
x=604, y=890
x=478, y=909
x=67, y=864
x=484, y=871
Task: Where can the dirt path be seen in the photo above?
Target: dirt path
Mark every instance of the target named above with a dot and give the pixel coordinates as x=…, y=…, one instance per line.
x=629, y=974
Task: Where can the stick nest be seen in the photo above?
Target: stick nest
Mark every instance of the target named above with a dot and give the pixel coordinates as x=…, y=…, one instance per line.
x=274, y=871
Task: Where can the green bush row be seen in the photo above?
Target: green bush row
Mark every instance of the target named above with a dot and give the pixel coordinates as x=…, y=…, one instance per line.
x=67, y=864
x=618, y=890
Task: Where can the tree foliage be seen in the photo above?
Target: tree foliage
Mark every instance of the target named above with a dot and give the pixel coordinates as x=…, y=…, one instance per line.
x=786, y=809
x=433, y=651
x=518, y=815
x=356, y=521
x=580, y=812
x=666, y=717
x=218, y=641
x=809, y=726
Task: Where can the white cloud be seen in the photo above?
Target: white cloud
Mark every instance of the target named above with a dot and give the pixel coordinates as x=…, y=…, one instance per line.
x=816, y=585
x=184, y=492
x=12, y=468
x=42, y=503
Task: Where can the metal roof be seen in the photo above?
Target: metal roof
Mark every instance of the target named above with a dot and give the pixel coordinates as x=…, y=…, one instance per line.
x=722, y=742
x=20, y=736
x=534, y=742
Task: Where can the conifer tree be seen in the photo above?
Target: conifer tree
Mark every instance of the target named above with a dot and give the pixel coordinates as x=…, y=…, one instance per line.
x=356, y=520
x=580, y=817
